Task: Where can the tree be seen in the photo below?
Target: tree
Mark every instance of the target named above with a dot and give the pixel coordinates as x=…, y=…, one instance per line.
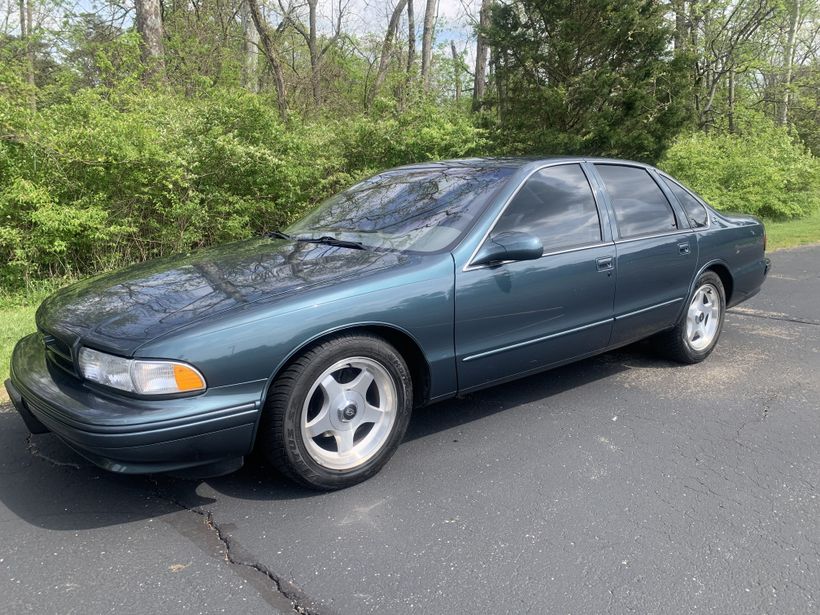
x=250, y=49
x=481, y=52
x=311, y=37
x=723, y=40
x=427, y=42
x=788, y=59
x=26, y=28
x=384, y=57
x=457, y=64
x=586, y=76
x=272, y=56
x=149, y=26
x=411, y=38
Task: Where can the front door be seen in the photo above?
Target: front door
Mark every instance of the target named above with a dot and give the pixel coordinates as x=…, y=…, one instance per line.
x=520, y=317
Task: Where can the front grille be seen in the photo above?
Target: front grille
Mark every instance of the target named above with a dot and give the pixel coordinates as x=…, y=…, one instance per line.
x=58, y=353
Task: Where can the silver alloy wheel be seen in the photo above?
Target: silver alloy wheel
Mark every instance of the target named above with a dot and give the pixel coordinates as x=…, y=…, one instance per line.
x=349, y=413
x=703, y=317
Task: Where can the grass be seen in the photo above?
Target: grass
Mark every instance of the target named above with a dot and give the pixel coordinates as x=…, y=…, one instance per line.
x=17, y=311
x=16, y=321
x=794, y=232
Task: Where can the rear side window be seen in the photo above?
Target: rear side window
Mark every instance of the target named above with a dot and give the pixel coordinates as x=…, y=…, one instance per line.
x=556, y=205
x=639, y=205
x=694, y=209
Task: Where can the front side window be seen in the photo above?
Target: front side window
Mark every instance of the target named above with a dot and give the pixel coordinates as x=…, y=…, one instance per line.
x=416, y=209
x=557, y=206
x=694, y=209
x=638, y=203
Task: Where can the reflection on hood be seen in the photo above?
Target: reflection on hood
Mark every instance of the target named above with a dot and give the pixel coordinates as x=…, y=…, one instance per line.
x=139, y=303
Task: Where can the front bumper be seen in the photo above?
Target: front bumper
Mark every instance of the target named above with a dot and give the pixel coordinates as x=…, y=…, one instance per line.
x=128, y=435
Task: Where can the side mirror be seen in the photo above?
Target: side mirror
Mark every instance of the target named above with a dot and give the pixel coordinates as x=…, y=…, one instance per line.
x=512, y=246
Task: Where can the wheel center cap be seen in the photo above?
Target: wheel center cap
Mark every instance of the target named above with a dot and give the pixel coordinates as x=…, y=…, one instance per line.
x=701, y=317
x=348, y=412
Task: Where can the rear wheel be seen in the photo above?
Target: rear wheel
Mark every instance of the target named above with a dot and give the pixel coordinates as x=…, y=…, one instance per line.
x=338, y=412
x=698, y=330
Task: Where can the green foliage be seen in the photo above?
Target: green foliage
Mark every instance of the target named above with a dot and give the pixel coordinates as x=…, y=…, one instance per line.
x=590, y=76
x=106, y=177
x=762, y=170
x=424, y=132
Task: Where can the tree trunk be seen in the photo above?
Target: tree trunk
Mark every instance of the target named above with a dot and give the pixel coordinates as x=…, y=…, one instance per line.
x=387, y=45
x=26, y=27
x=250, y=50
x=481, y=50
x=272, y=57
x=788, y=60
x=411, y=38
x=149, y=26
x=456, y=70
x=427, y=43
x=315, y=83
x=679, y=7
x=731, y=102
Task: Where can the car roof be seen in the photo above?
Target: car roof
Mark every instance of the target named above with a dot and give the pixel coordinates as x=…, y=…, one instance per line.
x=512, y=162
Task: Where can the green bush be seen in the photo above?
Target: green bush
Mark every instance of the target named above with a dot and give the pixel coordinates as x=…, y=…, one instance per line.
x=762, y=170
x=100, y=178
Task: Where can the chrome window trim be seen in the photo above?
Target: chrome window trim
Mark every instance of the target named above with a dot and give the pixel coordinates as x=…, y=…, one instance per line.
x=659, y=235
x=580, y=162
x=700, y=201
x=535, y=340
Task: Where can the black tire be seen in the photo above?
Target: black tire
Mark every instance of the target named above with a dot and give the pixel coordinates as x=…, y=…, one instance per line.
x=674, y=344
x=280, y=435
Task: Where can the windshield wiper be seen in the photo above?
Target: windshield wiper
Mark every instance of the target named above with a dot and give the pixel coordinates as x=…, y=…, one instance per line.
x=333, y=241
x=276, y=233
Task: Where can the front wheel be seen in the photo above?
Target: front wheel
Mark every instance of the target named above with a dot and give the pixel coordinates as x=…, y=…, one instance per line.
x=697, y=332
x=338, y=412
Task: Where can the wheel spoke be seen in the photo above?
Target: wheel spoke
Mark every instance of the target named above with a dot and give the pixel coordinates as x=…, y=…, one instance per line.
x=344, y=441
x=371, y=414
x=320, y=424
x=331, y=387
x=361, y=383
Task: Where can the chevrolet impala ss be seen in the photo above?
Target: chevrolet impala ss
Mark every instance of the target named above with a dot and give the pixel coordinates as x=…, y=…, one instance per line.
x=313, y=344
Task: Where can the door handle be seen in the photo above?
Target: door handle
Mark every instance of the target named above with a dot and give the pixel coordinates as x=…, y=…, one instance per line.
x=605, y=263
x=683, y=247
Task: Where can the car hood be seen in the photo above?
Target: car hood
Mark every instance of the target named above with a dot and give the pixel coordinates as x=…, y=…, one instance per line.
x=122, y=310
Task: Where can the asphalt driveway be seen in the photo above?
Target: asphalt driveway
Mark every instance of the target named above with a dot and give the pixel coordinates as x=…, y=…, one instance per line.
x=619, y=484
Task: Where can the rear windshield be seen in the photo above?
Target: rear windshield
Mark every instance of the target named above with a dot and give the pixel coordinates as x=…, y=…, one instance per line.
x=416, y=210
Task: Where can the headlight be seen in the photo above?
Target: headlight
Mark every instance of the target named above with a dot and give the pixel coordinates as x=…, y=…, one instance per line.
x=138, y=376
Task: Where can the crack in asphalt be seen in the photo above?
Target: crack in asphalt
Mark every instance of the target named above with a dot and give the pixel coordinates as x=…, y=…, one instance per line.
x=770, y=316
x=32, y=448
x=283, y=589
x=299, y=603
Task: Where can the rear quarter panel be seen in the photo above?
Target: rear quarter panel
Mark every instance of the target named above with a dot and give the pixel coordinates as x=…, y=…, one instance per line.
x=738, y=243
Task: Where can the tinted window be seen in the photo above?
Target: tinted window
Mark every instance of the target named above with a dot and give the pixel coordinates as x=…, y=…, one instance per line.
x=416, y=209
x=556, y=205
x=695, y=211
x=639, y=205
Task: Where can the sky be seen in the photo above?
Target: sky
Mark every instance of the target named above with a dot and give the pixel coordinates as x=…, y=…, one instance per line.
x=455, y=17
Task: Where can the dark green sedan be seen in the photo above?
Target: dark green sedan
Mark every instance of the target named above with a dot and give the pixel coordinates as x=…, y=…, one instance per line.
x=313, y=344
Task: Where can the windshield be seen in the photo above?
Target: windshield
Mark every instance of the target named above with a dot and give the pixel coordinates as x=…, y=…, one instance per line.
x=418, y=210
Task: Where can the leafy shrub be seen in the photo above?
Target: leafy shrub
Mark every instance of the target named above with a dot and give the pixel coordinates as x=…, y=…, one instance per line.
x=103, y=177
x=762, y=170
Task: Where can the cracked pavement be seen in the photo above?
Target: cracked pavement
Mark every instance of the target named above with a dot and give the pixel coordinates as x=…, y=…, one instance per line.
x=619, y=484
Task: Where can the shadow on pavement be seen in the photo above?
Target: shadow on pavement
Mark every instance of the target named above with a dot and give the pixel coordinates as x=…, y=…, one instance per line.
x=45, y=483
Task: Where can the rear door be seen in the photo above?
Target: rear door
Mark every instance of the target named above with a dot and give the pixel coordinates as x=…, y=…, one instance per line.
x=656, y=252
x=519, y=317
